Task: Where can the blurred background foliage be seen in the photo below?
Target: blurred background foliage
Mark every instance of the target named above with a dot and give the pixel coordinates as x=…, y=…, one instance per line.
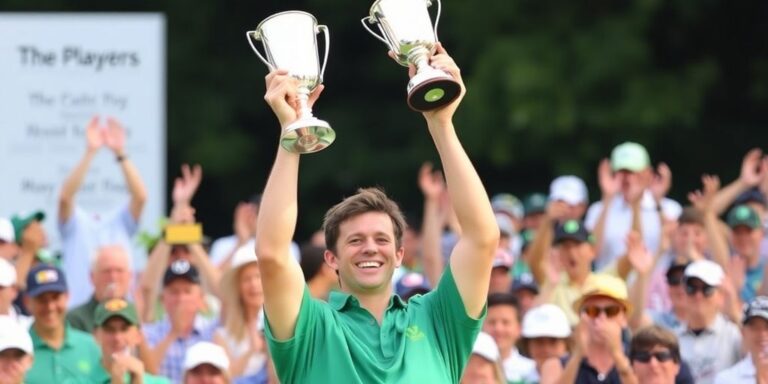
x=553, y=86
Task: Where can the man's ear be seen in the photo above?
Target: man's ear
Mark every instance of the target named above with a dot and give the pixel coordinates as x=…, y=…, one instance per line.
x=331, y=260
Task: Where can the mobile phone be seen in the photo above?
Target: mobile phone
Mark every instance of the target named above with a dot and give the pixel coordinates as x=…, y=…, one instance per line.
x=183, y=233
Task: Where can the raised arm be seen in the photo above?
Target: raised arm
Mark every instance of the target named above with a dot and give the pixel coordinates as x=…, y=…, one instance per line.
x=94, y=139
x=609, y=187
x=281, y=275
x=541, y=248
x=472, y=257
x=754, y=169
x=704, y=201
x=114, y=137
x=432, y=185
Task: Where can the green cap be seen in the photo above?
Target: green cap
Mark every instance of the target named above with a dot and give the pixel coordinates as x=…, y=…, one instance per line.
x=535, y=203
x=743, y=215
x=116, y=307
x=21, y=222
x=630, y=157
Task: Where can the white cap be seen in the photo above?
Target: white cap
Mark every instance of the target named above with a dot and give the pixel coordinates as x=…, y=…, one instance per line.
x=14, y=335
x=546, y=320
x=505, y=224
x=6, y=230
x=206, y=353
x=244, y=255
x=707, y=271
x=7, y=273
x=502, y=258
x=486, y=348
x=570, y=189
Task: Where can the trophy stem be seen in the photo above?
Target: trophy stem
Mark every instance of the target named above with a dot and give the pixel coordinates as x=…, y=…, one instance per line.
x=307, y=134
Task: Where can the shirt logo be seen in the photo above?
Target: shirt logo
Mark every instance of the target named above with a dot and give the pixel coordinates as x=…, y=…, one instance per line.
x=413, y=333
x=46, y=276
x=84, y=366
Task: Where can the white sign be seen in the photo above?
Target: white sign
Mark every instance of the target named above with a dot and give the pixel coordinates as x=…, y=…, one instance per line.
x=56, y=72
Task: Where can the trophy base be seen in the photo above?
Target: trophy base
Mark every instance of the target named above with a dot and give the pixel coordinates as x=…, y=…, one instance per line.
x=432, y=90
x=307, y=135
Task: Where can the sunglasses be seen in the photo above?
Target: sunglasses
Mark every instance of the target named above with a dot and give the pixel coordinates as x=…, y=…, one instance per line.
x=645, y=357
x=706, y=290
x=674, y=280
x=593, y=311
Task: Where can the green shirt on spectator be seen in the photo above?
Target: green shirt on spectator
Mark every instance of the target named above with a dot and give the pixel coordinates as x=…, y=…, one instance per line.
x=75, y=362
x=81, y=317
x=427, y=340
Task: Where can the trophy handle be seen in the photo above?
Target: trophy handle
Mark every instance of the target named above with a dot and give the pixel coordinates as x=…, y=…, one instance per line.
x=251, y=35
x=437, y=17
x=367, y=20
x=324, y=29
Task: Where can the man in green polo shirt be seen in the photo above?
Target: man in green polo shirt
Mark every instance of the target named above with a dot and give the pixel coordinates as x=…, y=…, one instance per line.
x=62, y=353
x=365, y=334
x=117, y=332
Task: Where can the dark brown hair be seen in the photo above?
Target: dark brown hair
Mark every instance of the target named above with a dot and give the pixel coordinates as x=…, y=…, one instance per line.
x=364, y=201
x=648, y=337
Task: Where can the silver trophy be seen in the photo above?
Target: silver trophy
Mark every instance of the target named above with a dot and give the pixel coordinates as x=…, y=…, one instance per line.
x=407, y=29
x=290, y=43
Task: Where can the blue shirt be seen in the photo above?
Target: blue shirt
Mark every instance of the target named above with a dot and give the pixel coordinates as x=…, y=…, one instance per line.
x=172, y=365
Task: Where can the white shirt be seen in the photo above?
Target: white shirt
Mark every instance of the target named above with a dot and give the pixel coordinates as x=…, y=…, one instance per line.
x=618, y=223
x=717, y=348
x=519, y=368
x=225, y=246
x=82, y=235
x=742, y=373
x=24, y=321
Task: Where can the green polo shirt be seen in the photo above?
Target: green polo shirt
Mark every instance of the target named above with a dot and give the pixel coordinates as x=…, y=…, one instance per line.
x=81, y=317
x=101, y=376
x=75, y=362
x=427, y=340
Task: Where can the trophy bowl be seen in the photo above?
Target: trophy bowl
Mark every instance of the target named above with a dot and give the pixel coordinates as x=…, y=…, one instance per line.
x=406, y=28
x=290, y=42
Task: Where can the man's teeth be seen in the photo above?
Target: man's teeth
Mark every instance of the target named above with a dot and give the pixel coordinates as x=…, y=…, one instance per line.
x=369, y=264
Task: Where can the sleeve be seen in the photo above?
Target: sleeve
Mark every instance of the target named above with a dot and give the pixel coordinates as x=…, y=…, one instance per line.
x=455, y=331
x=68, y=228
x=292, y=357
x=593, y=213
x=124, y=220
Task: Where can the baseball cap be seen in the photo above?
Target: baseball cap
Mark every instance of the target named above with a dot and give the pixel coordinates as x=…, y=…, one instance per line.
x=571, y=230
x=743, y=215
x=206, y=352
x=604, y=285
x=752, y=195
x=569, y=189
x=21, y=221
x=7, y=274
x=507, y=203
x=705, y=270
x=505, y=224
x=116, y=307
x=7, y=233
x=44, y=278
x=503, y=259
x=534, y=203
x=14, y=336
x=758, y=307
x=412, y=283
x=486, y=347
x=181, y=269
x=630, y=157
x=525, y=281
x=546, y=320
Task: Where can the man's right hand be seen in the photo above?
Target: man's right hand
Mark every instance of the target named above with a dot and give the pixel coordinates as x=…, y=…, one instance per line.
x=609, y=183
x=94, y=134
x=283, y=97
x=753, y=168
x=184, y=187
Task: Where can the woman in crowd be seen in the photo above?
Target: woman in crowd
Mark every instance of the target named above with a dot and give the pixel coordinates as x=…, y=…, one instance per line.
x=655, y=355
x=243, y=300
x=484, y=365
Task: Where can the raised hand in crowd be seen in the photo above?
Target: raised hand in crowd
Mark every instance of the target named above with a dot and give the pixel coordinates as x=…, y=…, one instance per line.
x=432, y=186
x=114, y=136
x=754, y=170
x=704, y=200
x=123, y=364
x=94, y=135
x=185, y=186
